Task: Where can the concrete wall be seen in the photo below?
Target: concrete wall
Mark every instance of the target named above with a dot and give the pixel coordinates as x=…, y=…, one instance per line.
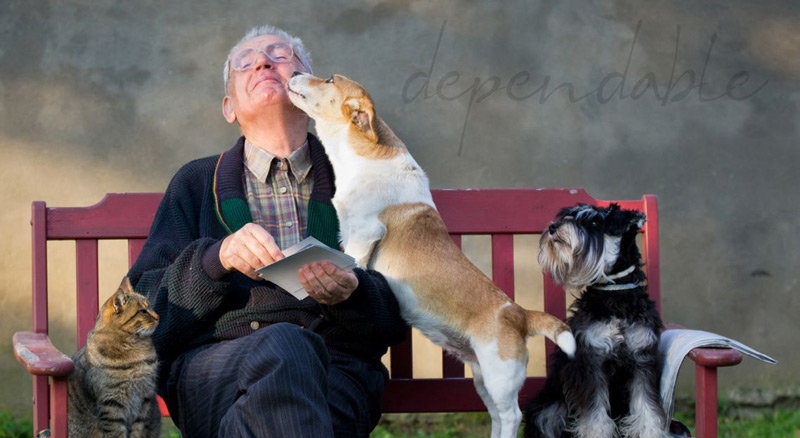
x=105, y=96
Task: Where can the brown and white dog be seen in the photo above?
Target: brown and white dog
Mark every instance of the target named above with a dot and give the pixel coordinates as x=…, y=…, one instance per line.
x=389, y=223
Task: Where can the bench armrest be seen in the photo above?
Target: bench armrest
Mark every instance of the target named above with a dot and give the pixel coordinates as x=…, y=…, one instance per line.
x=39, y=356
x=715, y=357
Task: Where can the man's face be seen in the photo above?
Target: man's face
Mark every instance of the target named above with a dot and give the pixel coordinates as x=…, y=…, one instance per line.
x=260, y=86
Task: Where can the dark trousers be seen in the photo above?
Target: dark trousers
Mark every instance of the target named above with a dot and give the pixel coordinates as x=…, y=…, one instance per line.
x=279, y=381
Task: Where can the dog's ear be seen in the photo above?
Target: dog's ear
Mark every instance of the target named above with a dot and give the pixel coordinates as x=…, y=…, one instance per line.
x=362, y=114
x=619, y=221
x=636, y=219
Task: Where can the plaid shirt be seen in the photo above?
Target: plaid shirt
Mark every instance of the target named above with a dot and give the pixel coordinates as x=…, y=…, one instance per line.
x=278, y=191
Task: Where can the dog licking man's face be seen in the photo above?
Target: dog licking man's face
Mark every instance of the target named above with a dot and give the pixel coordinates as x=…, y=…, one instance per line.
x=333, y=102
x=583, y=243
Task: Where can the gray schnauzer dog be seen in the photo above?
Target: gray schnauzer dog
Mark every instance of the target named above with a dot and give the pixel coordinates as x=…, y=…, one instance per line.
x=610, y=388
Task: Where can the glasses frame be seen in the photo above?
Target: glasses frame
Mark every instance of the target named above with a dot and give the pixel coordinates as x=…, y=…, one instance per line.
x=265, y=52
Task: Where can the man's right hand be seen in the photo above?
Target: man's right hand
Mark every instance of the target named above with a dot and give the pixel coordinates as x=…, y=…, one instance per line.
x=248, y=249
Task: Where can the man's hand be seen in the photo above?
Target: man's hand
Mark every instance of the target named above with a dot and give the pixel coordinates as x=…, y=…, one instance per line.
x=248, y=249
x=326, y=283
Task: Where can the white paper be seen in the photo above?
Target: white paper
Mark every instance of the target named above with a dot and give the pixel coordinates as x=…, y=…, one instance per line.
x=676, y=344
x=284, y=272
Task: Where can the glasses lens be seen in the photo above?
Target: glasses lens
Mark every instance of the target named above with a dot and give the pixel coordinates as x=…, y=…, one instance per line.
x=279, y=52
x=243, y=59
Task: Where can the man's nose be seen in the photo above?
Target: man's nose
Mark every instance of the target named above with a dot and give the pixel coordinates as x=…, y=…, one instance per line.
x=263, y=61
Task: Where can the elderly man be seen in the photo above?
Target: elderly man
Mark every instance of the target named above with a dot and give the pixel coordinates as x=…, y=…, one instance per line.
x=241, y=357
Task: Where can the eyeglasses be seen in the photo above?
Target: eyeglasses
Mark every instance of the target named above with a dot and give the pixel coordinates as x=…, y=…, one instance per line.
x=246, y=58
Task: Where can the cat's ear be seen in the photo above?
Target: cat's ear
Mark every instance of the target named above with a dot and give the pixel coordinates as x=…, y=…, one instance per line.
x=121, y=296
x=126, y=285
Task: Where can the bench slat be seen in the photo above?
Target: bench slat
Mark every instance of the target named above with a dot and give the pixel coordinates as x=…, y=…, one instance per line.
x=555, y=303
x=401, y=365
x=489, y=211
x=41, y=384
x=88, y=287
x=134, y=248
x=442, y=395
x=39, y=266
x=118, y=215
x=452, y=367
x=650, y=250
x=503, y=262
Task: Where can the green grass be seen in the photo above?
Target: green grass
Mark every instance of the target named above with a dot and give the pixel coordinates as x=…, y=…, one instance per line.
x=11, y=427
x=779, y=423
x=466, y=425
x=733, y=422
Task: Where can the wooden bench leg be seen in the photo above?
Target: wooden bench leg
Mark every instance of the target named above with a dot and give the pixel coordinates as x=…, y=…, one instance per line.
x=41, y=404
x=58, y=407
x=706, y=399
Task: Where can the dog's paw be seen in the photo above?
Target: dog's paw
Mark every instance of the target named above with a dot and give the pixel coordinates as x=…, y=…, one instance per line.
x=566, y=342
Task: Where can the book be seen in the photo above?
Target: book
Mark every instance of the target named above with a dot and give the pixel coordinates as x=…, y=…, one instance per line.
x=283, y=273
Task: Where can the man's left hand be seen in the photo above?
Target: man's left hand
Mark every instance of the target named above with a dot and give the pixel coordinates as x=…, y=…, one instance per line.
x=326, y=283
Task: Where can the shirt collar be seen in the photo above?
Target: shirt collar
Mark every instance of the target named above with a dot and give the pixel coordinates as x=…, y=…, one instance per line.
x=259, y=161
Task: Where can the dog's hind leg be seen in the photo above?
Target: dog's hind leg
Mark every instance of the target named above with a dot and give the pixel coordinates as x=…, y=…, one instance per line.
x=487, y=400
x=503, y=378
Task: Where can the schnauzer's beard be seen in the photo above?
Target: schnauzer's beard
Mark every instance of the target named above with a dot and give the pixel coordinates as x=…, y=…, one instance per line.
x=575, y=258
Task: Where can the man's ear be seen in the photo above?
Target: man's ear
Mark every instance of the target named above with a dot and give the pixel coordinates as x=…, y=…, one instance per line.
x=362, y=114
x=227, y=109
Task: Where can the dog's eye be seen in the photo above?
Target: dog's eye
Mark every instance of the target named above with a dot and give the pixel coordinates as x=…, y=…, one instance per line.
x=329, y=80
x=594, y=224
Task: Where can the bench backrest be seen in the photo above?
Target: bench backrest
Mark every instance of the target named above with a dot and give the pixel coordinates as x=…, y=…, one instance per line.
x=500, y=213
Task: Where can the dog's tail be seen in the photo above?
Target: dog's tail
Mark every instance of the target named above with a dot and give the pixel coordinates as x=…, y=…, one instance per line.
x=540, y=323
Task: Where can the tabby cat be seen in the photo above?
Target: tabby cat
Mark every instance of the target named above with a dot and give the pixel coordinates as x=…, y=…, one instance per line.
x=113, y=388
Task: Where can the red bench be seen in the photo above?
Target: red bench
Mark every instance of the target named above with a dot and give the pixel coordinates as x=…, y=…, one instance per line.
x=501, y=213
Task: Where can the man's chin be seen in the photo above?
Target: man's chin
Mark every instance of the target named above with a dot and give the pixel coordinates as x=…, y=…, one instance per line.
x=270, y=96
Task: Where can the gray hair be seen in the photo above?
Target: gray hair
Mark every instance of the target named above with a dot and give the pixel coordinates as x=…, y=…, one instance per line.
x=297, y=46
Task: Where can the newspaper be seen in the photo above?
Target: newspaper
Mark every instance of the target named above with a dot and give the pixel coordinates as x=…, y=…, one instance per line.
x=284, y=272
x=676, y=344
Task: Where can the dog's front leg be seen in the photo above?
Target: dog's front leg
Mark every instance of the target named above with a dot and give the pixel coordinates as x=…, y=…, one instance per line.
x=646, y=418
x=362, y=240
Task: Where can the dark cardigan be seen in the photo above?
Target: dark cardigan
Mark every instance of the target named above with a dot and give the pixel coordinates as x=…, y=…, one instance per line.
x=198, y=302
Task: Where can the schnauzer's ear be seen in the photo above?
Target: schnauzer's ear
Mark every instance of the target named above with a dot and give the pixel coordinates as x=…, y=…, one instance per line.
x=636, y=220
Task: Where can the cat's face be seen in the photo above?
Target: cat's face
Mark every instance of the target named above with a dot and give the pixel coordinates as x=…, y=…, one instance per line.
x=129, y=312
